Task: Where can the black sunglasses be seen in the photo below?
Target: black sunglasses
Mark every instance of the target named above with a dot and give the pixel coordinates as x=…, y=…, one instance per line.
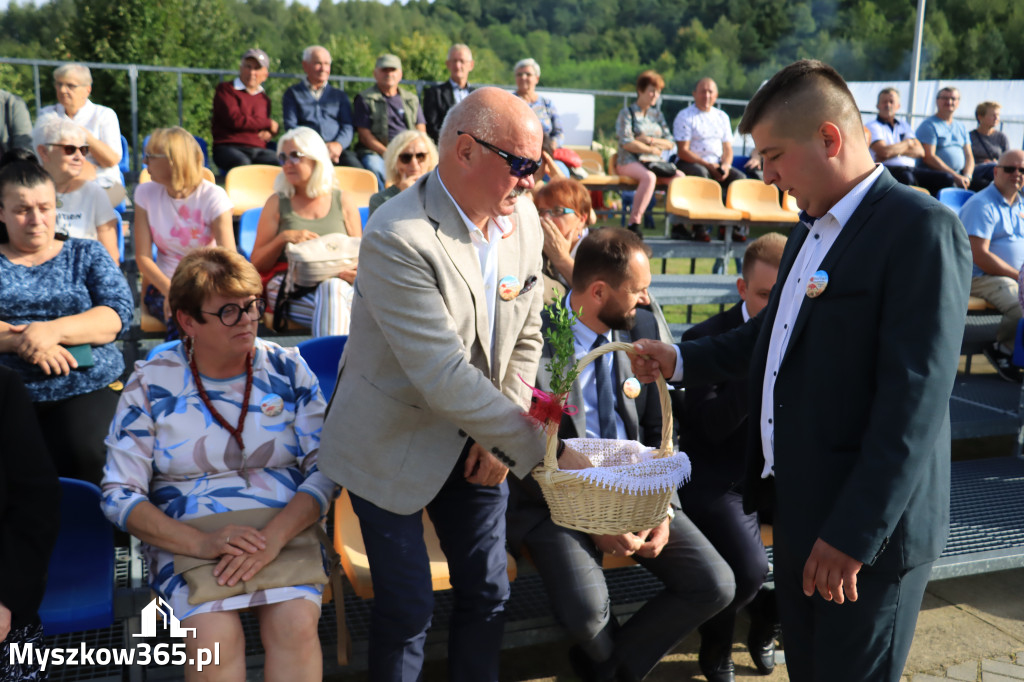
x=1013, y=169
x=518, y=166
x=406, y=157
x=70, y=149
x=230, y=314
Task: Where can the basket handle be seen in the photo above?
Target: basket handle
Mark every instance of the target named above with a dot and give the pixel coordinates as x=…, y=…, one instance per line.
x=551, y=455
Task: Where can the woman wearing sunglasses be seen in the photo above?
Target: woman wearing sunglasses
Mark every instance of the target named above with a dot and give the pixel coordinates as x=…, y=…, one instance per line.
x=177, y=212
x=565, y=216
x=224, y=422
x=83, y=208
x=409, y=156
x=306, y=204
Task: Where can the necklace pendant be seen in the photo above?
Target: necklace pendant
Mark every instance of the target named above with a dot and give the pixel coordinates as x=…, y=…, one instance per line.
x=245, y=477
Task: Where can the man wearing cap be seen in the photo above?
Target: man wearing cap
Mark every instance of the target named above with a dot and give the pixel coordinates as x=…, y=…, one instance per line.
x=316, y=104
x=241, y=116
x=383, y=111
x=439, y=98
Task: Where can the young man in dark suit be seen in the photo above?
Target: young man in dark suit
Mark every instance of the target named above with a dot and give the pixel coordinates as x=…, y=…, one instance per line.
x=851, y=367
x=713, y=432
x=610, y=279
x=439, y=98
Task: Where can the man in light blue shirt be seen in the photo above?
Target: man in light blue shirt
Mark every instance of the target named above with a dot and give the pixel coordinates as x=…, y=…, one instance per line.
x=946, y=144
x=994, y=218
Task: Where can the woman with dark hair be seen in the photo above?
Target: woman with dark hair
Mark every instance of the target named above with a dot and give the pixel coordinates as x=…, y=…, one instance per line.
x=62, y=305
x=644, y=136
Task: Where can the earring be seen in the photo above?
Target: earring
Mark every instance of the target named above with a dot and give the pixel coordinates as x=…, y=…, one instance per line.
x=190, y=347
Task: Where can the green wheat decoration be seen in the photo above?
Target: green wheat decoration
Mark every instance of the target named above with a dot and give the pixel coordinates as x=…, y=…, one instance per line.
x=562, y=368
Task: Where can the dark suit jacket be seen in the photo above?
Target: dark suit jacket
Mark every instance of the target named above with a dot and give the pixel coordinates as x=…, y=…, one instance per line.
x=437, y=100
x=713, y=419
x=641, y=417
x=862, y=438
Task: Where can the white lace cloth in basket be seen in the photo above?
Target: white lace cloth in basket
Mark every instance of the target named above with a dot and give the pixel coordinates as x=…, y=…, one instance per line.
x=630, y=467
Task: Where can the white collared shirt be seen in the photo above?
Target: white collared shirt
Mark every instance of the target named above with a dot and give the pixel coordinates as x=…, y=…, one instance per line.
x=822, y=235
x=457, y=92
x=487, y=251
x=584, y=337
x=102, y=122
x=316, y=92
x=746, y=313
x=240, y=86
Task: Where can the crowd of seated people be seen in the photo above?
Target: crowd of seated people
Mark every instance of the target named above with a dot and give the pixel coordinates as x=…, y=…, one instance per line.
x=65, y=302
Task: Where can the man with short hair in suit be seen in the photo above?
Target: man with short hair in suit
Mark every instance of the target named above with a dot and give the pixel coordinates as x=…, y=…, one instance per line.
x=713, y=432
x=610, y=279
x=429, y=407
x=439, y=98
x=851, y=366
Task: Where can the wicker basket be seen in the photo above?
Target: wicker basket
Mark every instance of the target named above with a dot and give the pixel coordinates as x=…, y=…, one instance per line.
x=582, y=505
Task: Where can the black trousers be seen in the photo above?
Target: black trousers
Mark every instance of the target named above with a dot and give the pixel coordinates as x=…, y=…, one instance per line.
x=74, y=429
x=227, y=156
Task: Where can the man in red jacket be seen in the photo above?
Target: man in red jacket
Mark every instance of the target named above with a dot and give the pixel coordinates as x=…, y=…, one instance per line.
x=241, y=116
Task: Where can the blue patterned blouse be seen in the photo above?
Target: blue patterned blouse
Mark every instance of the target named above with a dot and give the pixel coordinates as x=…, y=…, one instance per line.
x=80, y=277
x=164, y=446
x=549, y=120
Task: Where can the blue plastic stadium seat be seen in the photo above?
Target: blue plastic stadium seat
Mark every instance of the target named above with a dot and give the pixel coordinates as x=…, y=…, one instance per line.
x=120, y=236
x=1018, y=345
x=123, y=163
x=80, y=582
x=247, y=231
x=364, y=213
x=205, y=148
x=738, y=161
x=162, y=346
x=955, y=197
x=322, y=355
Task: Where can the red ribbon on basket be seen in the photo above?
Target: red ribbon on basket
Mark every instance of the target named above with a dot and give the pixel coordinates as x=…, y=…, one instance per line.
x=547, y=407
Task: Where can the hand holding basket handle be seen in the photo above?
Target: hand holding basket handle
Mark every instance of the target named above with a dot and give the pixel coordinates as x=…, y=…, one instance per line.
x=651, y=358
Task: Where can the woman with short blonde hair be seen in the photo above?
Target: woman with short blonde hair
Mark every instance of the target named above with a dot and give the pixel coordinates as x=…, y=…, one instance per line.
x=411, y=155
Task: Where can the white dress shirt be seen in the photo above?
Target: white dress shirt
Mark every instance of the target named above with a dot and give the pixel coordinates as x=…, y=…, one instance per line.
x=584, y=338
x=822, y=235
x=487, y=251
x=459, y=93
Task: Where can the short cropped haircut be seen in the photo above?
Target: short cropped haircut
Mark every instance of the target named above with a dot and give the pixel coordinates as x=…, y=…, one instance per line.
x=889, y=90
x=183, y=153
x=530, y=62
x=985, y=108
x=605, y=255
x=307, y=54
x=398, y=145
x=808, y=92
x=949, y=88
x=54, y=129
x=80, y=72
x=565, y=192
x=469, y=117
x=208, y=271
x=460, y=46
x=308, y=142
x=765, y=249
x=648, y=78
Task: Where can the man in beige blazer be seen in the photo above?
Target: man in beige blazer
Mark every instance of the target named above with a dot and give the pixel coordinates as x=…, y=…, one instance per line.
x=428, y=410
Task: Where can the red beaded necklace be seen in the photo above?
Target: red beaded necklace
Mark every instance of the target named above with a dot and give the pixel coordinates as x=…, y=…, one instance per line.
x=235, y=431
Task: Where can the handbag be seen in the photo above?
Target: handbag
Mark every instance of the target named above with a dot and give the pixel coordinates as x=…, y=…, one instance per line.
x=653, y=162
x=298, y=563
x=315, y=260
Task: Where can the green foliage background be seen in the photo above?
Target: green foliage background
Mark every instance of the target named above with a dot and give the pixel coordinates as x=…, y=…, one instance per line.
x=598, y=44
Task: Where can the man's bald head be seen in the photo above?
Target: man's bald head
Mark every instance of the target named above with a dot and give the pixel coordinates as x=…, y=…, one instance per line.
x=1009, y=183
x=799, y=98
x=489, y=113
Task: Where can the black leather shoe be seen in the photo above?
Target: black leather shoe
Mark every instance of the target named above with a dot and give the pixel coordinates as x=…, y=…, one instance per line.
x=722, y=670
x=587, y=669
x=761, y=642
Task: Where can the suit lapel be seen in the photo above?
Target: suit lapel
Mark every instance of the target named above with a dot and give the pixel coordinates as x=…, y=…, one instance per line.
x=455, y=240
x=626, y=407
x=853, y=226
x=508, y=265
x=448, y=92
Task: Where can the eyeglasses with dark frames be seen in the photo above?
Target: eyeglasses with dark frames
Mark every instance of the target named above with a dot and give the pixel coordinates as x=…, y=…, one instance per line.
x=230, y=314
x=70, y=149
x=406, y=157
x=554, y=212
x=294, y=156
x=518, y=166
x=1013, y=169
